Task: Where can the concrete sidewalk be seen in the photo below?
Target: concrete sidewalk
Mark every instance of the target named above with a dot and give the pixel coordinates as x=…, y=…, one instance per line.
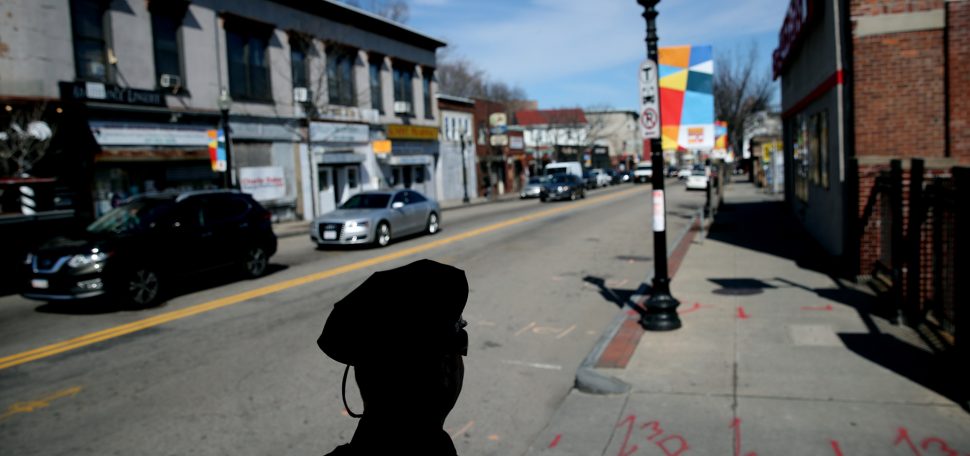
x=775, y=358
x=302, y=228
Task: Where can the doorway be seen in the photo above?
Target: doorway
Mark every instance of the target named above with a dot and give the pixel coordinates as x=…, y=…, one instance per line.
x=336, y=183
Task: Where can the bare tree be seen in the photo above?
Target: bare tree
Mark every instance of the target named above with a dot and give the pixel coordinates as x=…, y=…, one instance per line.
x=460, y=77
x=25, y=140
x=741, y=88
x=395, y=10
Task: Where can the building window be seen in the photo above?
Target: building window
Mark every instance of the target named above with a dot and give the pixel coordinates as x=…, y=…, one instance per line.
x=340, y=77
x=299, y=67
x=403, y=89
x=87, y=23
x=800, y=156
x=248, y=63
x=818, y=133
x=166, y=46
x=376, y=91
x=426, y=87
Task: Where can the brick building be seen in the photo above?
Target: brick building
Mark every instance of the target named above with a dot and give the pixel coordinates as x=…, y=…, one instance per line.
x=865, y=82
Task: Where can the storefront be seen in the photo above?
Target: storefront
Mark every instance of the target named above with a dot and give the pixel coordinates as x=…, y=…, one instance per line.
x=342, y=163
x=411, y=163
x=265, y=158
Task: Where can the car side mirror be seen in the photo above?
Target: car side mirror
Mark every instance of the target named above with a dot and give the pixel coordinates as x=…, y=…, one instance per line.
x=397, y=205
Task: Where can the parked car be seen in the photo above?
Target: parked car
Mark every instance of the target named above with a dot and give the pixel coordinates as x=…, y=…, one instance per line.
x=626, y=176
x=563, y=186
x=683, y=173
x=602, y=179
x=376, y=218
x=589, y=180
x=643, y=173
x=616, y=177
x=697, y=180
x=133, y=253
x=533, y=188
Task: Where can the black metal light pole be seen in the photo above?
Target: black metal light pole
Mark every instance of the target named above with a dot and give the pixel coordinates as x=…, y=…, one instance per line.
x=225, y=102
x=661, y=313
x=464, y=169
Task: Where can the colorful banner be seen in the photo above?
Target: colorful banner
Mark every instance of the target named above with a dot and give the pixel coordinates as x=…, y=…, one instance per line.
x=687, y=97
x=720, y=135
x=217, y=150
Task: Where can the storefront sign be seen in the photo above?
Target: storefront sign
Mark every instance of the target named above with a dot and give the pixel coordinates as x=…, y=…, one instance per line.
x=339, y=132
x=96, y=91
x=516, y=142
x=498, y=119
x=265, y=183
x=800, y=13
x=381, y=147
x=499, y=140
x=412, y=132
x=148, y=135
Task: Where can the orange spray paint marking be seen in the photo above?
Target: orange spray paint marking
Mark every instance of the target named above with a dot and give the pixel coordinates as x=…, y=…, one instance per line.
x=741, y=314
x=736, y=425
x=555, y=441
x=836, y=448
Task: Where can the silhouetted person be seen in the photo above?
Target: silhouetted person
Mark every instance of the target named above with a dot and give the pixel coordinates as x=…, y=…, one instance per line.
x=403, y=333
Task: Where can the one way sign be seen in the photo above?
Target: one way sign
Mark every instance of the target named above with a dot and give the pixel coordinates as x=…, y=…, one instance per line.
x=649, y=101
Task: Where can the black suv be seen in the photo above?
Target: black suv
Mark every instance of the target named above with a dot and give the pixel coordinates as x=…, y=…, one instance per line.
x=563, y=186
x=131, y=253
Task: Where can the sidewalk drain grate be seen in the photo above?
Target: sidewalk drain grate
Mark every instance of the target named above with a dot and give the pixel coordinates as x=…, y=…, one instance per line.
x=738, y=291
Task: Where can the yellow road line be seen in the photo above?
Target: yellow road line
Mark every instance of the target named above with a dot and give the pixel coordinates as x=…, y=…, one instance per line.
x=128, y=328
x=30, y=406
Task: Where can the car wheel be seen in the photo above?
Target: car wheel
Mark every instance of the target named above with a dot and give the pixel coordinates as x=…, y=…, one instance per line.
x=141, y=288
x=432, y=227
x=383, y=234
x=255, y=262
x=542, y=199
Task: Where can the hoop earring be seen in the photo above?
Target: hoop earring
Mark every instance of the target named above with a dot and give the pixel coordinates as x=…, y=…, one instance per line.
x=343, y=394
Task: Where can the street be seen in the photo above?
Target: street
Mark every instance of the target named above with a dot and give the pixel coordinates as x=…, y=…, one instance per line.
x=231, y=367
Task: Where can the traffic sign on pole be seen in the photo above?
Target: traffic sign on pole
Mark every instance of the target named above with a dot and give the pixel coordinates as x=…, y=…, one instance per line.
x=649, y=101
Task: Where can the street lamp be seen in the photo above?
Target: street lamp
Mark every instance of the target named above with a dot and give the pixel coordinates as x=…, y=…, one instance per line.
x=661, y=312
x=225, y=102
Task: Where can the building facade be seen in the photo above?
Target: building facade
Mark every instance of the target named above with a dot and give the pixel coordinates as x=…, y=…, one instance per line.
x=616, y=139
x=456, y=170
x=309, y=88
x=864, y=83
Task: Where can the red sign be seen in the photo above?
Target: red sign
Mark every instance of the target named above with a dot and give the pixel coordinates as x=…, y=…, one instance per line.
x=800, y=13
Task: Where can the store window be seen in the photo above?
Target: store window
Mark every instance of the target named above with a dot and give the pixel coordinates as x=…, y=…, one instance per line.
x=246, y=46
x=818, y=149
x=800, y=156
x=90, y=47
x=352, y=177
x=426, y=89
x=403, y=89
x=376, y=90
x=340, y=76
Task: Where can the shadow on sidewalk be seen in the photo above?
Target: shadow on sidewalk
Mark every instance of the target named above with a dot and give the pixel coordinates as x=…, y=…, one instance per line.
x=767, y=227
x=622, y=298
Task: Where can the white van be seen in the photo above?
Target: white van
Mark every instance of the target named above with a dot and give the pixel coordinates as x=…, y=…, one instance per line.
x=574, y=168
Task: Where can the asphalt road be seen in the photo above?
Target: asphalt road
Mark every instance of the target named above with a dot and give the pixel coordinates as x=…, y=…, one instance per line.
x=231, y=367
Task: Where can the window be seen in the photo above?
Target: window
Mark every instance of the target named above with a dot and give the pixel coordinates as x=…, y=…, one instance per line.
x=340, y=77
x=415, y=197
x=248, y=62
x=87, y=23
x=376, y=92
x=426, y=87
x=800, y=156
x=818, y=148
x=165, y=42
x=403, y=91
x=399, y=198
x=352, y=177
x=299, y=69
x=419, y=174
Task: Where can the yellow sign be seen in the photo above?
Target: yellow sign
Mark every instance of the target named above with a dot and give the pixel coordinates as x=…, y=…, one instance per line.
x=412, y=132
x=381, y=146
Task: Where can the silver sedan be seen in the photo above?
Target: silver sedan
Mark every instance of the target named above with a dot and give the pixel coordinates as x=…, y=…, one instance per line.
x=377, y=217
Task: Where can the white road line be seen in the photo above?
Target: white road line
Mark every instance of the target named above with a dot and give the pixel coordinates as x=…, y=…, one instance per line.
x=535, y=365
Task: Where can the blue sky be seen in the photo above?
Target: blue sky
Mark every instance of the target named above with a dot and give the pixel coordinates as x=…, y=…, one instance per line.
x=585, y=53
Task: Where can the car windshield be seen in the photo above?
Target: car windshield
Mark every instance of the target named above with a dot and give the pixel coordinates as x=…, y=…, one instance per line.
x=378, y=201
x=133, y=216
x=644, y=167
x=697, y=172
x=538, y=179
x=561, y=179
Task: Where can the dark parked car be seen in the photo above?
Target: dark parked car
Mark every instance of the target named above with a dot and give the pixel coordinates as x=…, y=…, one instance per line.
x=589, y=179
x=563, y=186
x=133, y=253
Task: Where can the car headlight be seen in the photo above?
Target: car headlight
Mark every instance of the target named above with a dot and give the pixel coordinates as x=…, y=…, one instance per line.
x=29, y=259
x=362, y=224
x=562, y=188
x=85, y=259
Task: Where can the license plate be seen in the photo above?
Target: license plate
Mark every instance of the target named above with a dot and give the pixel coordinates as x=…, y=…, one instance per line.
x=39, y=283
x=330, y=235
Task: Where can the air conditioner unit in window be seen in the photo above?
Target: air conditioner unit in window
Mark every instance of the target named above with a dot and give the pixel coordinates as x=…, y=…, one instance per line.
x=169, y=81
x=402, y=107
x=301, y=94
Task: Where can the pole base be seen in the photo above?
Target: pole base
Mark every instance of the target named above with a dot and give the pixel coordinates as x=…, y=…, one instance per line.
x=661, y=313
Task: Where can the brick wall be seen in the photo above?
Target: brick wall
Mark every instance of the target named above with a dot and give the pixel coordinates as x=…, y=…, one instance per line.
x=899, y=94
x=958, y=61
x=877, y=7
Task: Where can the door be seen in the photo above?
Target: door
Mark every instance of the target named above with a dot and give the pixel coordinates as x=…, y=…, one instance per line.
x=417, y=211
x=326, y=193
x=398, y=216
x=346, y=183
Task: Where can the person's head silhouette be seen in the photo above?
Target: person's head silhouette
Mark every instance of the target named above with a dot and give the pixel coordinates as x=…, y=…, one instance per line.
x=403, y=333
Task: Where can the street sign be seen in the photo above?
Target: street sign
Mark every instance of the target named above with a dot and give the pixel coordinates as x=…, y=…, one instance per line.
x=649, y=101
